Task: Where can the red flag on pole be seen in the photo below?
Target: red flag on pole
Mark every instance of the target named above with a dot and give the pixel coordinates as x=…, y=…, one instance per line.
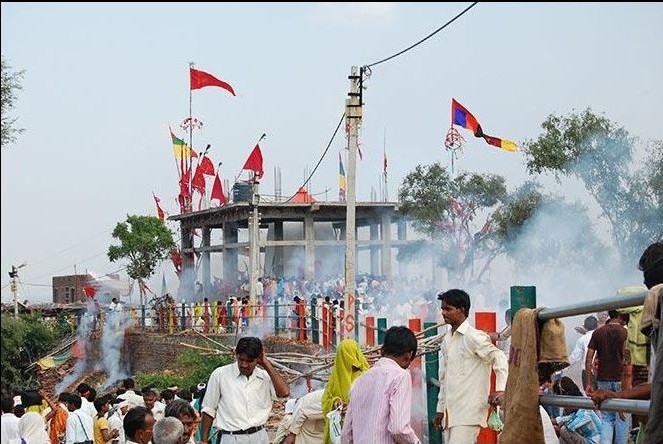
x=201, y=79
x=160, y=211
x=206, y=166
x=254, y=162
x=217, y=191
x=90, y=291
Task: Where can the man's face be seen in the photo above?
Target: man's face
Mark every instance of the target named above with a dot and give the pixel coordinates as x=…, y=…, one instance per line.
x=188, y=423
x=144, y=436
x=246, y=365
x=149, y=399
x=451, y=314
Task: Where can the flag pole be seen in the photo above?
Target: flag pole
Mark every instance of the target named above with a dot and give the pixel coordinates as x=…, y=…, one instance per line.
x=242, y=168
x=190, y=128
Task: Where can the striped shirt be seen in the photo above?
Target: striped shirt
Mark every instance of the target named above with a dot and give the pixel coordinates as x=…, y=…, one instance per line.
x=379, y=408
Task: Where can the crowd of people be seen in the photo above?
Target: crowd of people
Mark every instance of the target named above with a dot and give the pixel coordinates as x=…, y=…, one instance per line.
x=371, y=403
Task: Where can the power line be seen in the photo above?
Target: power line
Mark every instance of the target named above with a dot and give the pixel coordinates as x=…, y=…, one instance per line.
x=425, y=38
x=321, y=157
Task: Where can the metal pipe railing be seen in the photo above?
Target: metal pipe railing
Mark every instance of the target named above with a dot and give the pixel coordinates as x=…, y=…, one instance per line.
x=581, y=402
x=604, y=304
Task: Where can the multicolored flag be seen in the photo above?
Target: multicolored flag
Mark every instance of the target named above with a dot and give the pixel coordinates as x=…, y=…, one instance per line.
x=341, y=180
x=180, y=148
x=462, y=117
x=200, y=79
x=254, y=162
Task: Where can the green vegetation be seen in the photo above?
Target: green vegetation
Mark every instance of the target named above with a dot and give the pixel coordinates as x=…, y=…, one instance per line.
x=191, y=368
x=11, y=83
x=24, y=340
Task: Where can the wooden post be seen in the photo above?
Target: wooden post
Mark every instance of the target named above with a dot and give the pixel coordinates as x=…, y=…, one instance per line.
x=415, y=374
x=315, y=334
x=276, y=317
x=432, y=391
x=382, y=328
x=370, y=331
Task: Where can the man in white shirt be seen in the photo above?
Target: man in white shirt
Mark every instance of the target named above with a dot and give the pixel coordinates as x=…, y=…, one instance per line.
x=579, y=353
x=116, y=420
x=157, y=408
x=134, y=399
x=84, y=390
x=239, y=396
x=467, y=356
x=307, y=425
x=9, y=429
x=80, y=426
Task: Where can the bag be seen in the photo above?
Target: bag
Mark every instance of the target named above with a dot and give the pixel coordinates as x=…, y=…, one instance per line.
x=335, y=425
x=494, y=421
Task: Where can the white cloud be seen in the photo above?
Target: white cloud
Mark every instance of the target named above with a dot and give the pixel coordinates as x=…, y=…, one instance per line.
x=379, y=13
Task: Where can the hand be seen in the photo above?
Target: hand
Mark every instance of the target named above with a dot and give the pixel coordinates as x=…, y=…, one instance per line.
x=262, y=359
x=589, y=390
x=438, y=422
x=115, y=433
x=495, y=398
x=290, y=439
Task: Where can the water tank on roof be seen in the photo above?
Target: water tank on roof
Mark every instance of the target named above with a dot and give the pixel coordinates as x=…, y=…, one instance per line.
x=242, y=192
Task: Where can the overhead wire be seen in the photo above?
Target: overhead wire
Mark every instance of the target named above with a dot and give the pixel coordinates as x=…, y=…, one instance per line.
x=425, y=38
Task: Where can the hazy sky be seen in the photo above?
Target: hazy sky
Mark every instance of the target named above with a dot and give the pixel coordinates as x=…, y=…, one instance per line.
x=104, y=81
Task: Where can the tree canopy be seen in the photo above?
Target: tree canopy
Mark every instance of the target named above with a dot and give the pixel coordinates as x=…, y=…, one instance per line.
x=144, y=241
x=601, y=155
x=11, y=83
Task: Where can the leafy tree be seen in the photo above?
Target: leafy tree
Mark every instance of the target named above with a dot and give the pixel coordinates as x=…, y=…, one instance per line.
x=11, y=83
x=600, y=154
x=24, y=339
x=144, y=241
x=446, y=209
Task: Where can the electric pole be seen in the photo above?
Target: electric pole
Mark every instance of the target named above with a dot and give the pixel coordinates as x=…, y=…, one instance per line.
x=254, y=244
x=13, y=274
x=353, y=114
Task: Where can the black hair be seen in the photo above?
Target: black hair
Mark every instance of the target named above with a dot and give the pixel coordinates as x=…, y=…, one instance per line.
x=99, y=402
x=135, y=421
x=82, y=388
x=566, y=386
x=651, y=264
x=249, y=346
x=185, y=394
x=167, y=394
x=19, y=410
x=180, y=407
x=399, y=340
x=75, y=399
x=148, y=391
x=590, y=323
x=456, y=298
x=7, y=405
x=129, y=384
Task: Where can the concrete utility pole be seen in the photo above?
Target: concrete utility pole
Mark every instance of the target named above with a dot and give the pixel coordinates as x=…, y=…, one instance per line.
x=13, y=274
x=353, y=114
x=254, y=245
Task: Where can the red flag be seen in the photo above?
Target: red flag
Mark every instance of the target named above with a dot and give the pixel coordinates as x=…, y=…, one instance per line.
x=90, y=291
x=201, y=79
x=198, y=181
x=206, y=166
x=160, y=212
x=217, y=191
x=254, y=162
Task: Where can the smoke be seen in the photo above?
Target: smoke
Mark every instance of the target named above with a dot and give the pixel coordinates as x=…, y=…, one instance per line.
x=112, y=341
x=85, y=328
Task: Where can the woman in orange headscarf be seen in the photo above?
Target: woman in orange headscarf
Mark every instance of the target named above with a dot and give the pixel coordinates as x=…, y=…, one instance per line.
x=350, y=362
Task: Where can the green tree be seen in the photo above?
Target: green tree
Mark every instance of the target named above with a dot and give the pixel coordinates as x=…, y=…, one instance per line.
x=11, y=83
x=24, y=340
x=600, y=153
x=144, y=241
x=455, y=214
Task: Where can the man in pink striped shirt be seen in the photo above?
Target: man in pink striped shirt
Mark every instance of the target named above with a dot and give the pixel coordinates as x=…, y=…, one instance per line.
x=379, y=408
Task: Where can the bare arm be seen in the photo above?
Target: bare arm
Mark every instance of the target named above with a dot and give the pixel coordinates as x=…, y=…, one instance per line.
x=280, y=386
x=205, y=426
x=589, y=362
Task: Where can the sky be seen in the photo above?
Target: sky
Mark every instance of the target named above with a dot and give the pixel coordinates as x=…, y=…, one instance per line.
x=104, y=81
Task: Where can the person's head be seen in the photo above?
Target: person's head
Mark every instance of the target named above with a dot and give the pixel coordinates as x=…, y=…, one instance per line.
x=102, y=405
x=507, y=316
x=590, y=323
x=183, y=411
x=149, y=397
x=621, y=318
x=400, y=344
x=114, y=300
x=128, y=384
x=651, y=264
x=7, y=405
x=566, y=386
x=248, y=350
x=455, y=306
x=19, y=410
x=83, y=389
x=167, y=430
x=74, y=402
x=138, y=424
x=167, y=396
x=185, y=394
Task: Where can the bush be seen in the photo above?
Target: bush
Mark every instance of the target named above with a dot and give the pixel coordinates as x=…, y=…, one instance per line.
x=191, y=368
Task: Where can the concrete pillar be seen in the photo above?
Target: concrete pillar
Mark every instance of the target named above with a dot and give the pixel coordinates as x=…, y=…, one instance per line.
x=188, y=261
x=309, y=237
x=278, y=251
x=374, y=249
x=385, y=226
x=401, y=233
x=230, y=254
x=207, y=234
